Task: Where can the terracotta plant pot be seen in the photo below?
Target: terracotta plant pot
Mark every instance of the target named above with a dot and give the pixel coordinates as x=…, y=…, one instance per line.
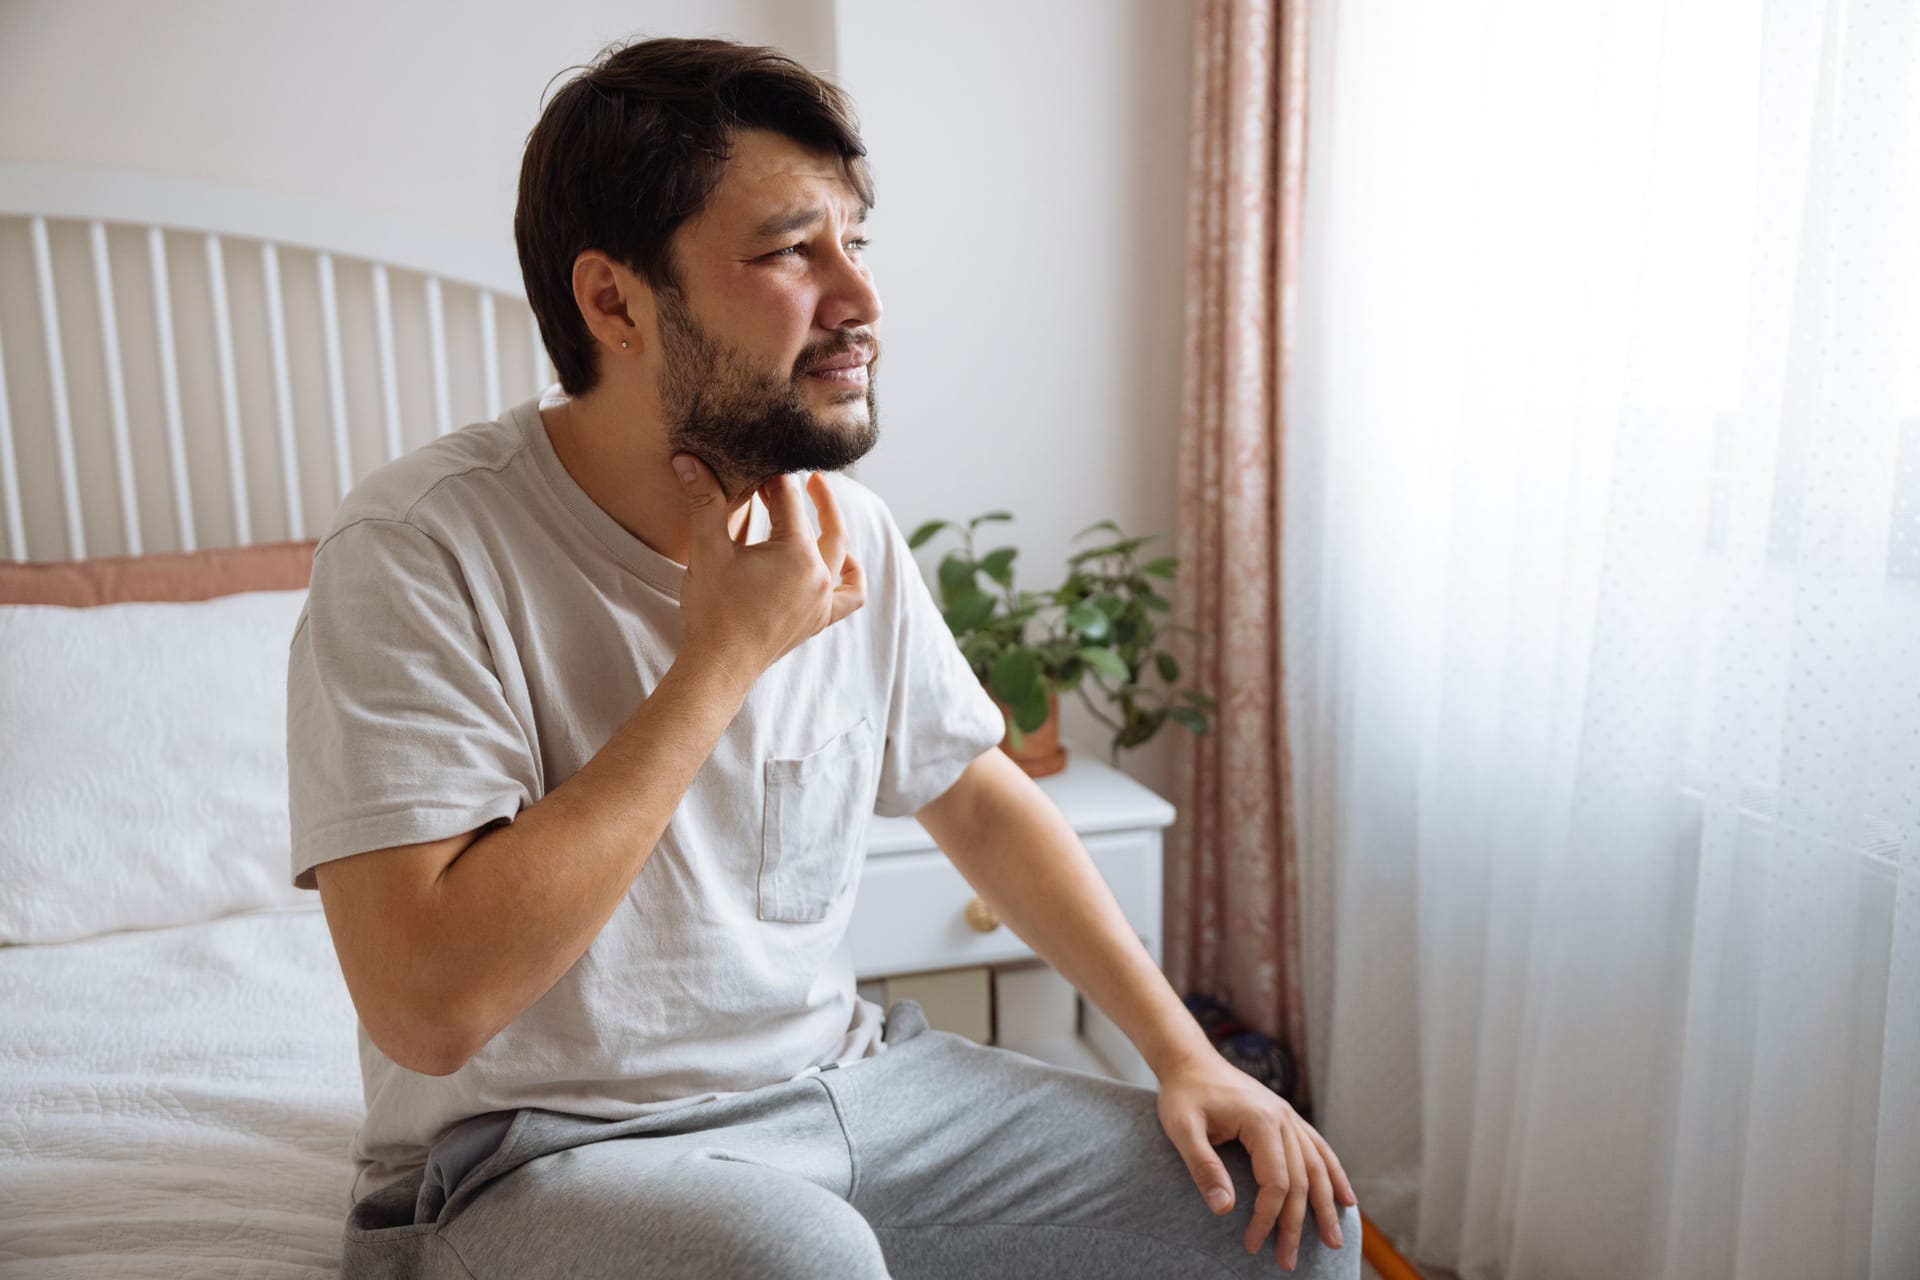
x=1040, y=752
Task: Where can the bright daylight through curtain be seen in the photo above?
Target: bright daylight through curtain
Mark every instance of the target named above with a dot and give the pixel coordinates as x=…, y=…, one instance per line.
x=1603, y=631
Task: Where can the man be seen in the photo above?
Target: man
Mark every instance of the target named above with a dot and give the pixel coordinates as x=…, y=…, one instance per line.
x=582, y=753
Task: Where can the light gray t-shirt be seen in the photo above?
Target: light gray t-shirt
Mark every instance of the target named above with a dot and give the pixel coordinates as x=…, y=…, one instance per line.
x=476, y=630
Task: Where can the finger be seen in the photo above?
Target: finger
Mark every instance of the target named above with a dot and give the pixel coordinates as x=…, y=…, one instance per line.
x=1334, y=1167
x=785, y=520
x=746, y=525
x=706, y=505
x=1262, y=1141
x=1293, y=1218
x=852, y=591
x=1190, y=1140
x=1320, y=1191
x=833, y=532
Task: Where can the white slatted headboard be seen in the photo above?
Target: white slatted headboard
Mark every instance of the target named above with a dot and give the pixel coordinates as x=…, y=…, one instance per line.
x=185, y=365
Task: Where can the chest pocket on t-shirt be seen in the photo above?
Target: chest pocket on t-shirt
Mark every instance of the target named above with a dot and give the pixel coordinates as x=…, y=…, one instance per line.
x=816, y=826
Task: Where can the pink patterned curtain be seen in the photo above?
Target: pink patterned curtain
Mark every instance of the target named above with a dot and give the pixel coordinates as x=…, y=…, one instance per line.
x=1233, y=882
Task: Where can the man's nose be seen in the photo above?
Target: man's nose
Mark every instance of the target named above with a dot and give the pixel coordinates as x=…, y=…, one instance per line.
x=850, y=300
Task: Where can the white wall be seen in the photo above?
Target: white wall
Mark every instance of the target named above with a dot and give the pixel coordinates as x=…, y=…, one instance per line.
x=1030, y=158
x=418, y=108
x=1028, y=235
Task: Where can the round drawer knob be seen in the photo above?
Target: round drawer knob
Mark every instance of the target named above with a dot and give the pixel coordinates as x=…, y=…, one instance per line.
x=982, y=917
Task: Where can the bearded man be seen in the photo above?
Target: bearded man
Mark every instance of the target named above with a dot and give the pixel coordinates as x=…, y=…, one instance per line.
x=583, y=741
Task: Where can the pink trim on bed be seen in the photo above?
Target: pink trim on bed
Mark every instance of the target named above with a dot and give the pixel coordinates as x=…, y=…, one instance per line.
x=163, y=576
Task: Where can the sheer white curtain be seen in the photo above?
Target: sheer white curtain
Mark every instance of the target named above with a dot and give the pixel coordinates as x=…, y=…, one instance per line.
x=1603, y=630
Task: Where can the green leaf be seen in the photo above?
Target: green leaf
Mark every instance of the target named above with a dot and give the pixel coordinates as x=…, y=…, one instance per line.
x=1104, y=524
x=1032, y=713
x=997, y=564
x=1189, y=717
x=968, y=610
x=1112, y=606
x=1112, y=549
x=1015, y=673
x=1163, y=568
x=1169, y=669
x=1153, y=601
x=1139, y=729
x=1200, y=699
x=1105, y=661
x=1093, y=553
x=980, y=648
x=1088, y=621
x=991, y=515
x=956, y=577
x=924, y=532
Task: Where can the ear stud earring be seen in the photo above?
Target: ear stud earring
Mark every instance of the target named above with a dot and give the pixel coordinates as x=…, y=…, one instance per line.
x=623, y=344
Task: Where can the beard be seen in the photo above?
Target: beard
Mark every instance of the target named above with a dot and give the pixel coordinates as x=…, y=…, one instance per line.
x=746, y=424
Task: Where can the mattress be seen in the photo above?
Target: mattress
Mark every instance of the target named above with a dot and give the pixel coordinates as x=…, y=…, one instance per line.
x=177, y=1102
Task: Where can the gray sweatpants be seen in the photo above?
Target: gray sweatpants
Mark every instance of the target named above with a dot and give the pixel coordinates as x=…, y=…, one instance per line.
x=939, y=1157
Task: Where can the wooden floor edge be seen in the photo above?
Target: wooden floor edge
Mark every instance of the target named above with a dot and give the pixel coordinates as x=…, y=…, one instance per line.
x=1380, y=1254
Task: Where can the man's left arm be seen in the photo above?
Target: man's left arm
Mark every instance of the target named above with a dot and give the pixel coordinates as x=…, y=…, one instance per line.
x=1017, y=851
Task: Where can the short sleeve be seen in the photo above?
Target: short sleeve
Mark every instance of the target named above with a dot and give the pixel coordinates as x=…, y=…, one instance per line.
x=398, y=728
x=939, y=716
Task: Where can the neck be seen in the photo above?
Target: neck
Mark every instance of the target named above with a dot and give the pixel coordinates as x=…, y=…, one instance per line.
x=616, y=451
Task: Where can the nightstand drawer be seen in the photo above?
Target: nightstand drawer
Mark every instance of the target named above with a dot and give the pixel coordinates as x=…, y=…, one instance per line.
x=911, y=910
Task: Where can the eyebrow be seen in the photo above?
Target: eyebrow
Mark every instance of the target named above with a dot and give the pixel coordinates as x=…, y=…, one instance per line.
x=794, y=219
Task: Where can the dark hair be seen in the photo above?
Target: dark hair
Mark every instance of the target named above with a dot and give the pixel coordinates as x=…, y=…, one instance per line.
x=634, y=146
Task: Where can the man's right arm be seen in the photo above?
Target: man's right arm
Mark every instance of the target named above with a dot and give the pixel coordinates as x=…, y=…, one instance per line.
x=444, y=943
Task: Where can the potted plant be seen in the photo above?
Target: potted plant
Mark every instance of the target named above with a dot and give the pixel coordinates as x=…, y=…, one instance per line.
x=1098, y=630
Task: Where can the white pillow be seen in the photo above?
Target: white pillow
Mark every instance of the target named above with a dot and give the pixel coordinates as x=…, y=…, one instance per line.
x=143, y=764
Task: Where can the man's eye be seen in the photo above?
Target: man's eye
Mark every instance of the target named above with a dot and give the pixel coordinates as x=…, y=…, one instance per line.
x=795, y=248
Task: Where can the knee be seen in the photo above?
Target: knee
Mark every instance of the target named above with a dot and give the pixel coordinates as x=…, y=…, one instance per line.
x=588, y=1212
x=776, y=1226
x=1344, y=1262
x=815, y=1238
x=1317, y=1260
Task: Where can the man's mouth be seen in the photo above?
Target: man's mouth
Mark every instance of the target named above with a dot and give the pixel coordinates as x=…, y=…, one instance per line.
x=848, y=369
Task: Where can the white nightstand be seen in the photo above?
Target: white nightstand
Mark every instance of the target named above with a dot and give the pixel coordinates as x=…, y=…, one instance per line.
x=912, y=915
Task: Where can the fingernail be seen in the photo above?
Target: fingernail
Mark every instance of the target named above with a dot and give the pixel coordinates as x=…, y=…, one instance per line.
x=1338, y=1241
x=684, y=469
x=1218, y=1199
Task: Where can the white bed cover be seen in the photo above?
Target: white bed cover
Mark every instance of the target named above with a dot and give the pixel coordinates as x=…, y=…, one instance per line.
x=177, y=1102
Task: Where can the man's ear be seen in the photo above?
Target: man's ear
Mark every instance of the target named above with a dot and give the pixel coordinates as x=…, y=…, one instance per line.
x=607, y=295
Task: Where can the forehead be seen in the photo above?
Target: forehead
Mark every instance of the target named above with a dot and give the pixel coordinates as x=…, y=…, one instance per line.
x=769, y=173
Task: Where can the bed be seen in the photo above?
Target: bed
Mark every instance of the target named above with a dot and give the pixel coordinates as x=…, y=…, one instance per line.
x=194, y=1119
x=190, y=378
